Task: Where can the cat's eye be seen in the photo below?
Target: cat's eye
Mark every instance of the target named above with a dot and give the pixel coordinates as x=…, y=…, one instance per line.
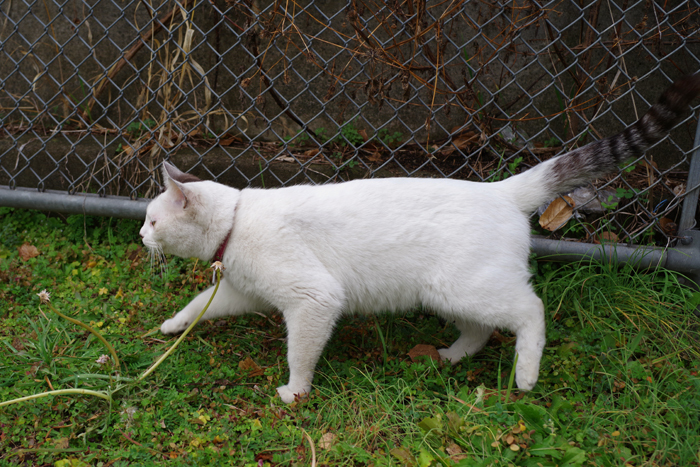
x=153, y=223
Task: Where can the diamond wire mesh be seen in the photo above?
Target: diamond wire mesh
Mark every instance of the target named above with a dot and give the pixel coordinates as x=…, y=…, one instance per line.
x=94, y=94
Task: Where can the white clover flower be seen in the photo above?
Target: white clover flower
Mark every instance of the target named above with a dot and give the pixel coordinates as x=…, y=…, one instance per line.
x=44, y=296
x=103, y=359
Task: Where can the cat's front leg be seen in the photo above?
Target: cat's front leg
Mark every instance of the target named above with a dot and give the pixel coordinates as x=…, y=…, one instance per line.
x=308, y=330
x=227, y=302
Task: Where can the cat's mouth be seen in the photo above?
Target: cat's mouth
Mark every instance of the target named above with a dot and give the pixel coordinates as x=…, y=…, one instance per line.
x=150, y=244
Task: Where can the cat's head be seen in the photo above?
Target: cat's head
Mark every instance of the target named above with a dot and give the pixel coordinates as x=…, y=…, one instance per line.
x=177, y=220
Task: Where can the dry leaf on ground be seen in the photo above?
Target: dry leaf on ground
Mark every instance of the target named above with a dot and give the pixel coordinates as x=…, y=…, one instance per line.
x=607, y=237
x=327, y=441
x=460, y=142
x=455, y=452
x=249, y=364
x=61, y=443
x=422, y=350
x=28, y=251
x=668, y=226
x=312, y=152
x=557, y=213
x=376, y=156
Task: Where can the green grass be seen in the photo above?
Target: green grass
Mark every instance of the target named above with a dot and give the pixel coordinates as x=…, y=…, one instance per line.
x=618, y=384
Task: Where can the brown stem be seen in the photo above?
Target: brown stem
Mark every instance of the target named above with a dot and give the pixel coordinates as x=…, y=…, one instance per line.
x=128, y=438
x=587, y=38
x=263, y=75
x=559, y=54
x=116, y=68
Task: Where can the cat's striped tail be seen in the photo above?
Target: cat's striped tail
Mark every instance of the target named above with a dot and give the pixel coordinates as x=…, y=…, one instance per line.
x=543, y=182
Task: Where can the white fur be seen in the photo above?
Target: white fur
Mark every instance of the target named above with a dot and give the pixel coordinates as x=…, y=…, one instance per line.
x=315, y=252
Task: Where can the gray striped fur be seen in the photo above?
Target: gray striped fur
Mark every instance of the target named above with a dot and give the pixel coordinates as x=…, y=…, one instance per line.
x=602, y=157
x=558, y=175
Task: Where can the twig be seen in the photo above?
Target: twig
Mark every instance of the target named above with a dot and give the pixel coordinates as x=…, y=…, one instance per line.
x=59, y=392
x=141, y=445
x=263, y=75
x=313, y=448
x=559, y=54
x=466, y=403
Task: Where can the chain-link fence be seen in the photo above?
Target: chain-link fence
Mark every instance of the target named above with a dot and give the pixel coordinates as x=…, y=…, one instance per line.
x=95, y=94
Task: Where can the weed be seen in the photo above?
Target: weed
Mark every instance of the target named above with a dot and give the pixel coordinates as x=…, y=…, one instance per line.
x=625, y=193
x=620, y=194
x=136, y=129
x=479, y=97
x=574, y=228
x=552, y=142
x=84, y=88
x=262, y=174
x=340, y=165
x=303, y=138
x=610, y=204
x=320, y=135
x=498, y=174
x=349, y=134
x=390, y=139
x=299, y=139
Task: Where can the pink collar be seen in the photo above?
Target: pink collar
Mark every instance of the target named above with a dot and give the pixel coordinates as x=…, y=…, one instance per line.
x=219, y=255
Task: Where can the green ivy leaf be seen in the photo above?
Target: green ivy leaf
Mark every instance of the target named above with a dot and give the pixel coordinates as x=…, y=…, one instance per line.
x=404, y=456
x=429, y=424
x=425, y=458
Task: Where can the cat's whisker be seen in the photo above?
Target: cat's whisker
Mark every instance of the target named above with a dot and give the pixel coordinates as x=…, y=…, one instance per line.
x=157, y=259
x=163, y=263
x=150, y=258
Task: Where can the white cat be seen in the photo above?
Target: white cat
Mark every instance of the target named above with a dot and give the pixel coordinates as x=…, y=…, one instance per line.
x=458, y=248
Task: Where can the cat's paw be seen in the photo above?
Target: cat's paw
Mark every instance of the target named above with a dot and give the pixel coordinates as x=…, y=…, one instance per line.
x=526, y=379
x=174, y=325
x=289, y=395
x=450, y=355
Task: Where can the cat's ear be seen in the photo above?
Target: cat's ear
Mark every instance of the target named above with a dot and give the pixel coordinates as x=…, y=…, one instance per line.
x=169, y=170
x=176, y=190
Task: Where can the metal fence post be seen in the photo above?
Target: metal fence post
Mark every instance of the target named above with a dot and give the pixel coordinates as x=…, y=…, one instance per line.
x=690, y=203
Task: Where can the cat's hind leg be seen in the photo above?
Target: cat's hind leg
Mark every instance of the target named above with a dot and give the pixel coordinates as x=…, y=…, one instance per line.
x=530, y=341
x=473, y=338
x=227, y=302
x=522, y=313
